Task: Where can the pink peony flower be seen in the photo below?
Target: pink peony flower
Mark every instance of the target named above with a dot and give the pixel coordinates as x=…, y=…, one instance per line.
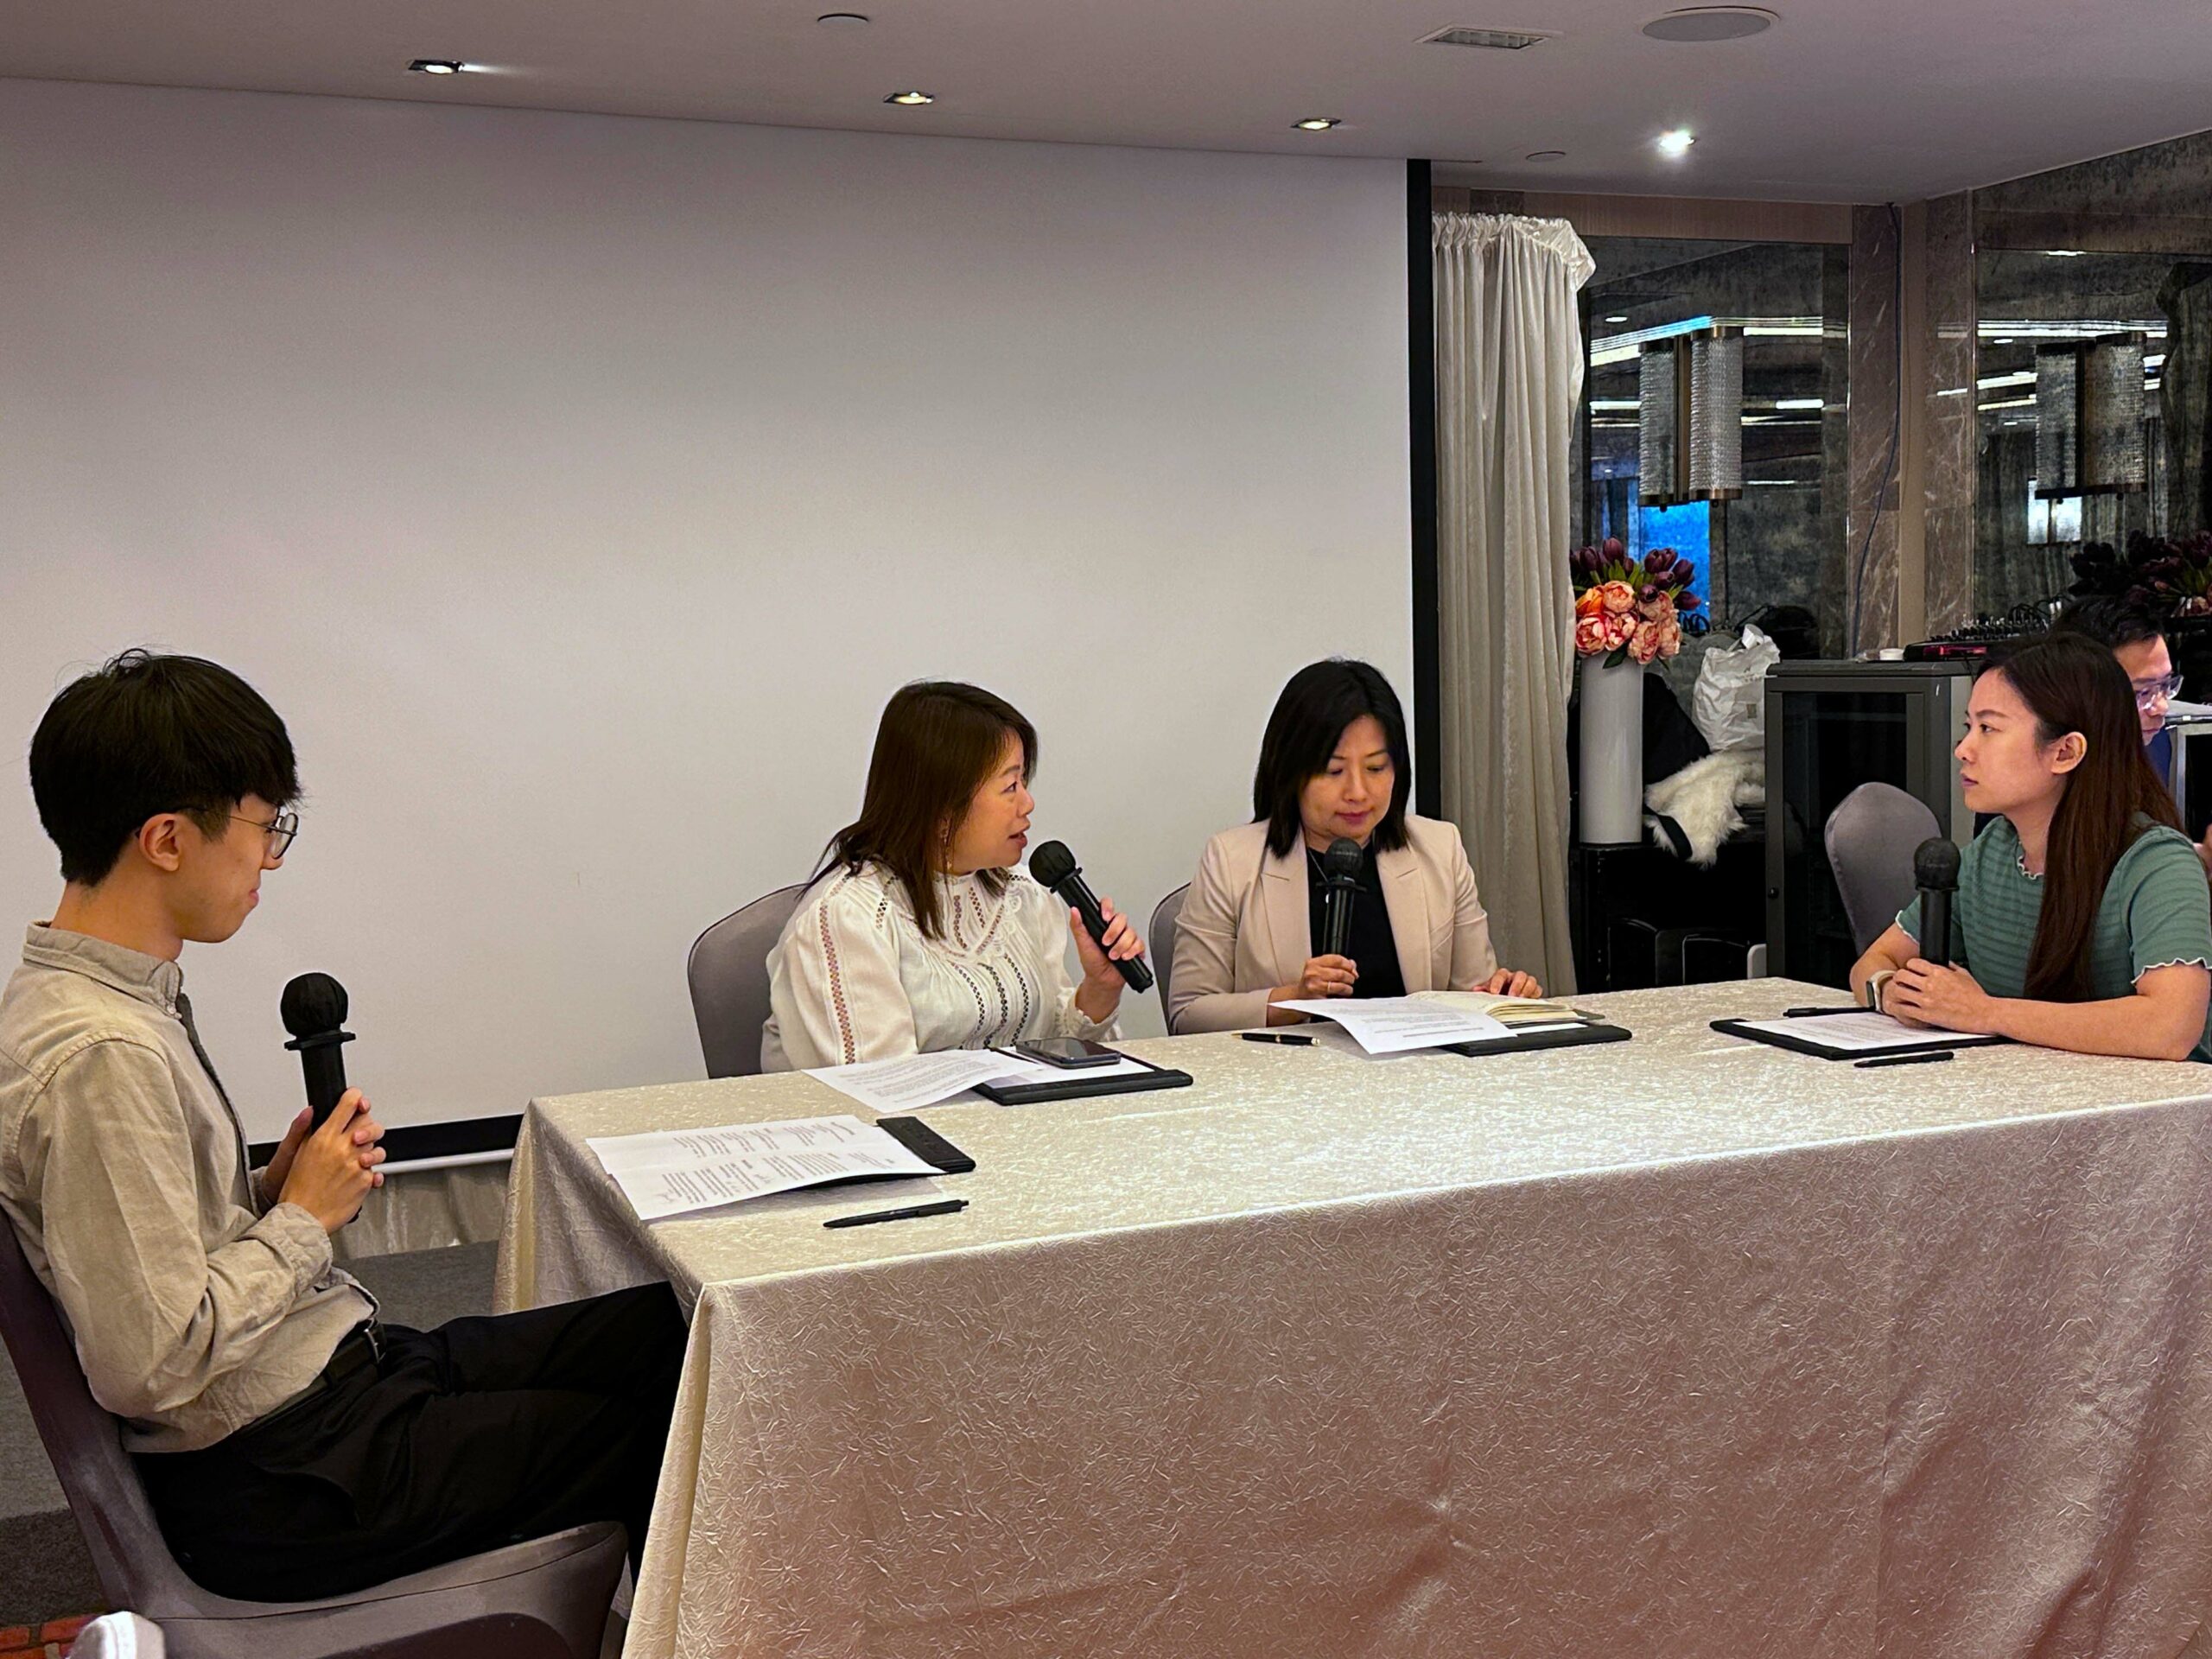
x=1619, y=596
x=1618, y=627
x=1643, y=646
x=1670, y=635
x=1590, y=637
x=1589, y=603
x=1654, y=607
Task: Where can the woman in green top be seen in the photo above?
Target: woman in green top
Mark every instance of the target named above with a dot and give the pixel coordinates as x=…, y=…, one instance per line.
x=2083, y=909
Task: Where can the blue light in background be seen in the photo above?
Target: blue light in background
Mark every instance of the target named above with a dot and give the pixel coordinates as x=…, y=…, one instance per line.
x=1688, y=528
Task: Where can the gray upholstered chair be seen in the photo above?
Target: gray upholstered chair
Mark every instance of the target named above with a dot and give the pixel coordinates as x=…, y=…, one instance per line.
x=544, y=1599
x=1159, y=943
x=1871, y=837
x=728, y=973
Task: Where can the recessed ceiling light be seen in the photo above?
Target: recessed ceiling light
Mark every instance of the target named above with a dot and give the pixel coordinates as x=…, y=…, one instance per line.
x=436, y=66
x=1698, y=24
x=1318, y=122
x=1622, y=318
x=843, y=17
x=2064, y=253
x=911, y=97
x=1545, y=156
x=1677, y=142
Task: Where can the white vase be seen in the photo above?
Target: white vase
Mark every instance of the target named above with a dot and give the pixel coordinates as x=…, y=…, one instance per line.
x=1612, y=752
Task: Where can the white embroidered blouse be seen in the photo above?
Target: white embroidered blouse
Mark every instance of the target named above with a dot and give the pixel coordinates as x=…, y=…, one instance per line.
x=852, y=979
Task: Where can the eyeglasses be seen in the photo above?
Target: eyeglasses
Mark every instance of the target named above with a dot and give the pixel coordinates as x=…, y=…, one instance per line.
x=2148, y=692
x=280, y=830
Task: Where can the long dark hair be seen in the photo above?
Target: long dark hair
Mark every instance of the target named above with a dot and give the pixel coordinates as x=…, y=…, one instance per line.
x=2073, y=685
x=937, y=741
x=1309, y=718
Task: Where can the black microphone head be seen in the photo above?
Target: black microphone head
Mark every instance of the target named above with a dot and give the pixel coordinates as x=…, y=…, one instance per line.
x=1935, y=864
x=1342, y=860
x=313, y=1004
x=1052, y=863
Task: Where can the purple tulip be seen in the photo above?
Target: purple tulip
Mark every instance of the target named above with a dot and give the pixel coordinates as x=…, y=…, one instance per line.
x=1686, y=600
x=1615, y=548
x=1658, y=559
x=1682, y=574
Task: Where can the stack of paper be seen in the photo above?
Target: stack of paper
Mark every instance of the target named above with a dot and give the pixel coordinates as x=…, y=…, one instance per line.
x=1394, y=1025
x=673, y=1171
x=918, y=1080
x=1516, y=1013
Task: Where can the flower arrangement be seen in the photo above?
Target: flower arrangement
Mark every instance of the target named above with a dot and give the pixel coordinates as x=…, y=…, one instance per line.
x=1625, y=610
x=2171, y=579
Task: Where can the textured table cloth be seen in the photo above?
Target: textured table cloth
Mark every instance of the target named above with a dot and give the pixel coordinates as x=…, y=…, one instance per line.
x=1680, y=1346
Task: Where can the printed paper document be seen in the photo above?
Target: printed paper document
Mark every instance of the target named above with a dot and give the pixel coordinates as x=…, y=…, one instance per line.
x=1392, y=1024
x=670, y=1172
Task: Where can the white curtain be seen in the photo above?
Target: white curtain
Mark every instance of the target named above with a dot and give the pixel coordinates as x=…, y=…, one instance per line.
x=1509, y=373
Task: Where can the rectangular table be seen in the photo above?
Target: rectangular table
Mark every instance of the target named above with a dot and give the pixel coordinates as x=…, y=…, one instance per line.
x=1680, y=1346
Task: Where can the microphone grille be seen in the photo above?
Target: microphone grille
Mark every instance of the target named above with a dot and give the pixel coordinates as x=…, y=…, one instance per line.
x=1052, y=863
x=1936, y=863
x=313, y=1003
x=1341, y=858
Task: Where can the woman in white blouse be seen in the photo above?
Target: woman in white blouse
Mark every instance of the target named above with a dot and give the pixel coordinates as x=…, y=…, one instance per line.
x=920, y=934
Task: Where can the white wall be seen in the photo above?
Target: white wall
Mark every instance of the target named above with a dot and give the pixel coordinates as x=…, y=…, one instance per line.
x=578, y=488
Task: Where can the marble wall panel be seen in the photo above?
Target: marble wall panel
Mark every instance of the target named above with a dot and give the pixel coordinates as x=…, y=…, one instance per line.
x=1950, y=421
x=1870, y=517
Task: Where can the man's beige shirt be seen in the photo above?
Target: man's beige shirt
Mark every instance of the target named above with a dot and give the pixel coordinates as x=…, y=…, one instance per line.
x=196, y=1305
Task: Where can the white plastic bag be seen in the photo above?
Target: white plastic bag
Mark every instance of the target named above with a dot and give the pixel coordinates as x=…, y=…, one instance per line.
x=1730, y=703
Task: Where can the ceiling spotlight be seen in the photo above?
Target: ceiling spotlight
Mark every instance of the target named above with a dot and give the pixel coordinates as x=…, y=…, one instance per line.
x=843, y=17
x=1622, y=318
x=1317, y=123
x=1699, y=24
x=1545, y=156
x=1677, y=142
x=435, y=67
x=911, y=97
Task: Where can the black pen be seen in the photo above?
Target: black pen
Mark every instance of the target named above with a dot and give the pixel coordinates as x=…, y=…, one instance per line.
x=942, y=1207
x=1904, y=1059
x=1289, y=1039
x=1816, y=1013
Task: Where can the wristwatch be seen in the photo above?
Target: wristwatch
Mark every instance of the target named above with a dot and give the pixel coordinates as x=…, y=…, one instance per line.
x=1876, y=984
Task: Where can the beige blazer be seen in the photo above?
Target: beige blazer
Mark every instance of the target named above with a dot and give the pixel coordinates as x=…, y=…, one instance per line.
x=1246, y=924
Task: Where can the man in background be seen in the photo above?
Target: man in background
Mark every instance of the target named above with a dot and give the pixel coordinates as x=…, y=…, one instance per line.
x=2139, y=645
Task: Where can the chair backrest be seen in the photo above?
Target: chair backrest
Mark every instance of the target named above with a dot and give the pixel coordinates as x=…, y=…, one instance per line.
x=130, y=1557
x=1871, y=837
x=728, y=973
x=1160, y=943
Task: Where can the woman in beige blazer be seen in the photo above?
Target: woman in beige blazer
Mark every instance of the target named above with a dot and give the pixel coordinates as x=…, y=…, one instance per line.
x=1333, y=765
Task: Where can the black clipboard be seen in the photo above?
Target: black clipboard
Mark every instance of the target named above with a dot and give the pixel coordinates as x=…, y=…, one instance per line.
x=1527, y=1042
x=1077, y=1086
x=1938, y=1042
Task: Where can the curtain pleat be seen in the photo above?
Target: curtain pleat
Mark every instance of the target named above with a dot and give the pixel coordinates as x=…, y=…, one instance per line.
x=1508, y=373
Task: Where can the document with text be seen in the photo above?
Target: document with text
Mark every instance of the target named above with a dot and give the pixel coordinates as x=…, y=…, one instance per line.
x=670, y=1172
x=1394, y=1025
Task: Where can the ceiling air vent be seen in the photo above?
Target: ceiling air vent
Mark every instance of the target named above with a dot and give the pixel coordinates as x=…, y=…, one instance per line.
x=1498, y=40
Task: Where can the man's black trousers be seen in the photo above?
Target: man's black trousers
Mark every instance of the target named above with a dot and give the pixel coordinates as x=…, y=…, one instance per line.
x=417, y=1447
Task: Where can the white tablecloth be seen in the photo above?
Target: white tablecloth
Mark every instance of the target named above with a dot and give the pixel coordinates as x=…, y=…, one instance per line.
x=1682, y=1346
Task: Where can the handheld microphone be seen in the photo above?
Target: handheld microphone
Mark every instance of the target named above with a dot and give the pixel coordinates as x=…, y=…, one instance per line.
x=313, y=1009
x=1936, y=873
x=1340, y=892
x=1054, y=866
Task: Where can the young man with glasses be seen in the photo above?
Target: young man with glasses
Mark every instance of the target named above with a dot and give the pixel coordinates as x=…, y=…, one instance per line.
x=292, y=1446
x=2139, y=645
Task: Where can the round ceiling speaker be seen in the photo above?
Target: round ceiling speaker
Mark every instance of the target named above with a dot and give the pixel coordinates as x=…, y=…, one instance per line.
x=1698, y=23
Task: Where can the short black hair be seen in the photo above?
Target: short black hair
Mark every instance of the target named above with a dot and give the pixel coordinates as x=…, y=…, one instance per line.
x=1309, y=717
x=145, y=734
x=2112, y=620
